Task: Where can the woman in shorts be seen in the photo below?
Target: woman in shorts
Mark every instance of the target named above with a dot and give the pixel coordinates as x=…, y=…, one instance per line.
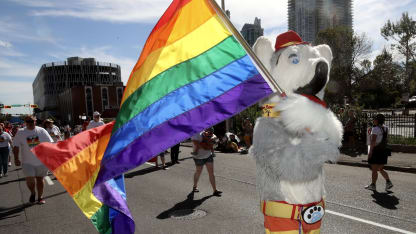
x=377, y=157
x=204, y=141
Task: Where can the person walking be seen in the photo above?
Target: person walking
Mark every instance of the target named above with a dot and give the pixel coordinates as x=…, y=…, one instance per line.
x=96, y=122
x=33, y=169
x=5, y=142
x=377, y=156
x=204, y=142
x=248, y=132
x=53, y=130
x=174, y=153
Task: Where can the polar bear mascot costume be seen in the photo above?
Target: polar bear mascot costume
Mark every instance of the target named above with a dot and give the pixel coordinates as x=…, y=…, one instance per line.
x=296, y=136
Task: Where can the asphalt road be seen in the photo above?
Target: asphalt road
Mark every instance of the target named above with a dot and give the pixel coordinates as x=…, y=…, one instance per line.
x=161, y=202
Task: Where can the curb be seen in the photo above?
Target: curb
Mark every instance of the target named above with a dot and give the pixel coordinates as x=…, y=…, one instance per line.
x=387, y=167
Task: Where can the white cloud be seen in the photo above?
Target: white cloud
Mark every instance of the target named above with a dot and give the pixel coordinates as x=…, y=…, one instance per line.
x=11, y=68
x=12, y=30
x=5, y=44
x=371, y=15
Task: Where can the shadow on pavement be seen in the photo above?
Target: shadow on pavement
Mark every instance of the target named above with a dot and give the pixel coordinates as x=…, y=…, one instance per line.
x=386, y=200
x=6, y=213
x=11, y=181
x=141, y=172
x=188, y=204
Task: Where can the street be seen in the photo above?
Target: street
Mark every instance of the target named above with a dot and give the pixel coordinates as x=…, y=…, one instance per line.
x=161, y=202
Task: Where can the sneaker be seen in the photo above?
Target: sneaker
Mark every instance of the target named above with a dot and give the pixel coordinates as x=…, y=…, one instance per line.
x=5, y=175
x=41, y=201
x=194, y=153
x=32, y=198
x=10, y=164
x=217, y=193
x=389, y=185
x=371, y=187
x=1, y=175
x=195, y=190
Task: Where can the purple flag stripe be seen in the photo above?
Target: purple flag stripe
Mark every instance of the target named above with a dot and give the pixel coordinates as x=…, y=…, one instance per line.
x=183, y=126
x=111, y=197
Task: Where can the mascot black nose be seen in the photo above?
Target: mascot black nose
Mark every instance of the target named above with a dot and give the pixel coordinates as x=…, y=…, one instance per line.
x=318, y=82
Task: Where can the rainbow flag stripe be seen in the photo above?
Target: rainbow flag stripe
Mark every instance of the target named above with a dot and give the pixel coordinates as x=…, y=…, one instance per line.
x=192, y=74
x=76, y=163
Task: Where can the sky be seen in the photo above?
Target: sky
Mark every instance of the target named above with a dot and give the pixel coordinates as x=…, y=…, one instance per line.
x=35, y=32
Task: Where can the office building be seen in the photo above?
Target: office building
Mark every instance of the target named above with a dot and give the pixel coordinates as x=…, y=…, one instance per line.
x=308, y=17
x=251, y=32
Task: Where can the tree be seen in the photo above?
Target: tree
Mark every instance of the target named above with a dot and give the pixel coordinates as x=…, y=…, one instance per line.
x=382, y=86
x=403, y=32
x=348, y=49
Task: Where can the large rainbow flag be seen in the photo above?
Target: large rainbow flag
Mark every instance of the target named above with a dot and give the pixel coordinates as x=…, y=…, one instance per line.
x=192, y=73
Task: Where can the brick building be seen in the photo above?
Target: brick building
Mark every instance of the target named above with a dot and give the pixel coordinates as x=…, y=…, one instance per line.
x=84, y=100
x=59, y=78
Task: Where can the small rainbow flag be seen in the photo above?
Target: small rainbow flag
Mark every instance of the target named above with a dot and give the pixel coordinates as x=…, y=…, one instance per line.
x=75, y=164
x=192, y=73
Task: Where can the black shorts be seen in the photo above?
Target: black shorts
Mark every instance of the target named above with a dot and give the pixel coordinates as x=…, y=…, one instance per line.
x=201, y=162
x=378, y=157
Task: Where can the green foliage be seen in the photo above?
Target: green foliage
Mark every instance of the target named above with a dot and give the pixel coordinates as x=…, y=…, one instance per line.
x=251, y=113
x=348, y=50
x=403, y=33
x=400, y=140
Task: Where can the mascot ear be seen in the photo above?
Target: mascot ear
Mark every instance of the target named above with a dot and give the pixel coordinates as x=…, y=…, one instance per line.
x=325, y=52
x=263, y=48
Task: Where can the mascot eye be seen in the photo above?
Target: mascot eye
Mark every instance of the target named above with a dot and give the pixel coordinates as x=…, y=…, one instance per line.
x=294, y=58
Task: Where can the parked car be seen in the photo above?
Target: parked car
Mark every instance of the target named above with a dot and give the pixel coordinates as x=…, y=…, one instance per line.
x=411, y=103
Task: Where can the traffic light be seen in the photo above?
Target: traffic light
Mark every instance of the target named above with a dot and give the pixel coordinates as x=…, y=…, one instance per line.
x=33, y=106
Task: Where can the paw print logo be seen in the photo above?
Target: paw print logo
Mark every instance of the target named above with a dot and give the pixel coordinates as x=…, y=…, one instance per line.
x=313, y=214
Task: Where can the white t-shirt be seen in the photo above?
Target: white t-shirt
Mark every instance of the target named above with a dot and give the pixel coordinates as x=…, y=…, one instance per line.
x=202, y=153
x=54, y=133
x=4, y=139
x=379, y=133
x=26, y=139
x=94, y=124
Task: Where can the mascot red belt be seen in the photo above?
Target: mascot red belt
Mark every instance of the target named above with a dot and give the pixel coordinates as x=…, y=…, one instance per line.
x=297, y=135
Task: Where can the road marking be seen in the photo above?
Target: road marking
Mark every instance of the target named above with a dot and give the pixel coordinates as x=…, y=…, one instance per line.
x=369, y=222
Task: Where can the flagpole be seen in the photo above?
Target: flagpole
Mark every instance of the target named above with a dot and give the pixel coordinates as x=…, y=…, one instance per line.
x=247, y=47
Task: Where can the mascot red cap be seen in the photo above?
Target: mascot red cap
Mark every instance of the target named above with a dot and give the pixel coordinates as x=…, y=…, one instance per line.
x=287, y=39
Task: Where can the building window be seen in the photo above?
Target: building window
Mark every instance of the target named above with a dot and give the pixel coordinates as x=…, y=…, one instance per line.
x=88, y=100
x=119, y=95
x=104, y=97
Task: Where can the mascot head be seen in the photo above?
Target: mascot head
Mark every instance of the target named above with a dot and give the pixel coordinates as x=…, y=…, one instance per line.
x=295, y=65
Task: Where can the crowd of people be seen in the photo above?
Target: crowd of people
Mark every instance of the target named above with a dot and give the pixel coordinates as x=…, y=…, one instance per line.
x=18, y=140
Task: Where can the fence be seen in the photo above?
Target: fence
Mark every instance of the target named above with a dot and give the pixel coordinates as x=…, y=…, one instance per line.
x=402, y=127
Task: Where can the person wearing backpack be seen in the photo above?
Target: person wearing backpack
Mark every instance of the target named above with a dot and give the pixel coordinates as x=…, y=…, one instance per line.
x=377, y=156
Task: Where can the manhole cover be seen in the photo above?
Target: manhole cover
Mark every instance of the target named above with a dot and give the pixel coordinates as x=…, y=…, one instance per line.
x=187, y=214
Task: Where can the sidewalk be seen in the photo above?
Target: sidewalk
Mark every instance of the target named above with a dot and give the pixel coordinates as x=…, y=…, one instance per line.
x=403, y=162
